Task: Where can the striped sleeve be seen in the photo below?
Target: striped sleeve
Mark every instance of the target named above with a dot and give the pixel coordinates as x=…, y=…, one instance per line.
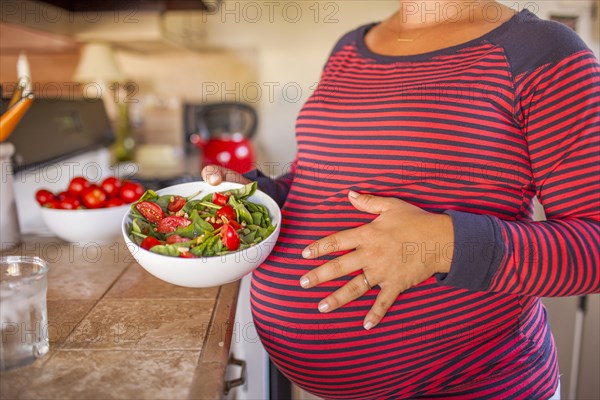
x=558, y=108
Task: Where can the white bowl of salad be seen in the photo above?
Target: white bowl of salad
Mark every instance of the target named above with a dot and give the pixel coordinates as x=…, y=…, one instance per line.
x=198, y=235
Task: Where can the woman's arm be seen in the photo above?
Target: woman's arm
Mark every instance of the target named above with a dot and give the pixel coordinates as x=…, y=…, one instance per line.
x=559, y=110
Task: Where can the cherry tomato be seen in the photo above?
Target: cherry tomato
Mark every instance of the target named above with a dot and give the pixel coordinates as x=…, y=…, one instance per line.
x=230, y=237
x=78, y=185
x=130, y=192
x=69, y=203
x=151, y=211
x=149, y=242
x=220, y=199
x=111, y=186
x=169, y=224
x=177, y=204
x=226, y=211
x=44, y=196
x=186, y=254
x=63, y=195
x=114, y=202
x=176, y=239
x=53, y=203
x=93, y=197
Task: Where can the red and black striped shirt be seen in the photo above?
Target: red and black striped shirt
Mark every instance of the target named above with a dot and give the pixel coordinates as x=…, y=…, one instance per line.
x=474, y=130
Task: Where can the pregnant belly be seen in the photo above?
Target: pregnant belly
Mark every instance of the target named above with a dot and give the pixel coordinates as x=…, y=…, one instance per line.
x=426, y=340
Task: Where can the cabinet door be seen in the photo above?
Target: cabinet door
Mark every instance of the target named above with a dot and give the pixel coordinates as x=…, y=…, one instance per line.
x=562, y=315
x=588, y=385
x=246, y=346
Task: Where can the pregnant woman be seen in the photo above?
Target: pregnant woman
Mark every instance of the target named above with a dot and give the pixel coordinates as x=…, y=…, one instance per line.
x=413, y=267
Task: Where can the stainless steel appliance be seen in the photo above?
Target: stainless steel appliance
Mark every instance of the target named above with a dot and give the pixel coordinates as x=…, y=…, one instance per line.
x=58, y=129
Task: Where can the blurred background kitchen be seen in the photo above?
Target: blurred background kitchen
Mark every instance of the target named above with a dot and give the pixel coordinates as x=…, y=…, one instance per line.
x=137, y=87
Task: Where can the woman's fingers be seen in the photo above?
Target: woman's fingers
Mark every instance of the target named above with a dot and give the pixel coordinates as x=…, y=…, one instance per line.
x=339, y=241
x=357, y=287
x=215, y=174
x=384, y=301
x=352, y=290
x=333, y=269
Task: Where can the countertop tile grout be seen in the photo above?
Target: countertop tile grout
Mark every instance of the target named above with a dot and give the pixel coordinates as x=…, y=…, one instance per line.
x=96, y=302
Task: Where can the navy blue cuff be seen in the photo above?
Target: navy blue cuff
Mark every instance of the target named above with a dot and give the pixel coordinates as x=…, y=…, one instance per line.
x=477, y=253
x=268, y=185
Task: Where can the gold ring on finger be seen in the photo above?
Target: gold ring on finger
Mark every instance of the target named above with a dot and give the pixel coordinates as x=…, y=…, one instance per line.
x=366, y=281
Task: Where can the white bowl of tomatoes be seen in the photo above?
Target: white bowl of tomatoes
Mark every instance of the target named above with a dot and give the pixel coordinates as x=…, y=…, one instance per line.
x=198, y=235
x=88, y=212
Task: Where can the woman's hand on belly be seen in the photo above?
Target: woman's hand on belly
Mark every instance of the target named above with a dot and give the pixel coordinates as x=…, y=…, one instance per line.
x=399, y=249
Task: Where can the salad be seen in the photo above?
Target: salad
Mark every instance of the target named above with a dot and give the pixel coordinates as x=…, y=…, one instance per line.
x=186, y=227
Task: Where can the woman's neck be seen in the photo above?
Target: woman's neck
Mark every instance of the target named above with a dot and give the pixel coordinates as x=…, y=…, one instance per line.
x=421, y=26
x=419, y=14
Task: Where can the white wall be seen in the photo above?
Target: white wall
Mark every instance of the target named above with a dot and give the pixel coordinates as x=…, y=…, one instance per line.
x=293, y=40
x=587, y=28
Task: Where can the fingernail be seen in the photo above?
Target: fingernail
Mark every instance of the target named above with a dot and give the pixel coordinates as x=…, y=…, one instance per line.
x=304, y=282
x=213, y=179
x=368, y=325
x=306, y=253
x=323, y=307
x=353, y=194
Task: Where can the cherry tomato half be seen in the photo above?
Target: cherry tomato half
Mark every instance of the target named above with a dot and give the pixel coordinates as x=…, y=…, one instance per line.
x=149, y=242
x=111, y=186
x=177, y=204
x=78, y=185
x=130, y=192
x=151, y=211
x=176, y=239
x=186, y=254
x=216, y=225
x=220, y=199
x=169, y=224
x=226, y=211
x=230, y=237
x=94, y=197
x=234, y=224
x=44, y=196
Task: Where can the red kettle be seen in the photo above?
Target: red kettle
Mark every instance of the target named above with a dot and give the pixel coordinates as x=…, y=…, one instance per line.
x=223, y=133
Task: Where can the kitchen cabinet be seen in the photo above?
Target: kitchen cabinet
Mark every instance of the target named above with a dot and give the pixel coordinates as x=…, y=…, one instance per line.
x=155, y=5
x=576, y=342
x=144, y=27
x=117, y=332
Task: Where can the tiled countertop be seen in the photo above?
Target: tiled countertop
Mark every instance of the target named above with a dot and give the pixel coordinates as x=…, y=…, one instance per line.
x=116, y=332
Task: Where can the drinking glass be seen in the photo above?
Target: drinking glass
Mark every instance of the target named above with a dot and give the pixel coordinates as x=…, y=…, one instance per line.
x=23, y=314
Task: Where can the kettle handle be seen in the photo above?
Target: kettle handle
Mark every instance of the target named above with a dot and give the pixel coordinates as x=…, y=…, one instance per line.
x=254, y=115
